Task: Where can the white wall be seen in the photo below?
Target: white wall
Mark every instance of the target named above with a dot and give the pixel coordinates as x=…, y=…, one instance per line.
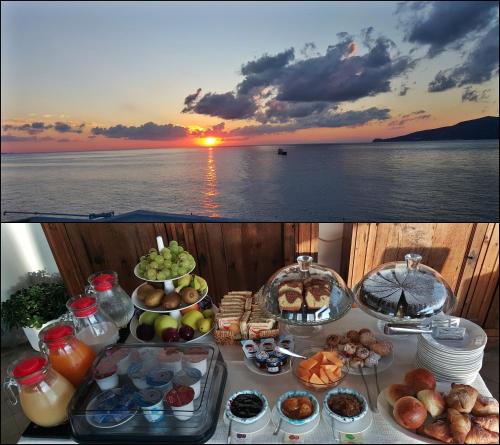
x=330, y=244
x=24, y=249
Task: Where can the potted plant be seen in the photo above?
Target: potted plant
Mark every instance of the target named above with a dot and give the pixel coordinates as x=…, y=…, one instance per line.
x=34, y=306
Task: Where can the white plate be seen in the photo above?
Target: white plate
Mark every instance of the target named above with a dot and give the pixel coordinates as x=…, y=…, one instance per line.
x=253, y=367
x=251, y=429
x=136, y=273
x=90, y=407
x=475, y=338
x=135, y=322
x=386, y=411
x=138, y=303
x=288, y=428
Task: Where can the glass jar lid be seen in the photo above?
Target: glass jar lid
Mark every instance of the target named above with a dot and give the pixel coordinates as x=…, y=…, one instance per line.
x=404, y=291
x=56, y=335
x=319, y=294
x=82, y=306
x=30, y=370
x=103, y=281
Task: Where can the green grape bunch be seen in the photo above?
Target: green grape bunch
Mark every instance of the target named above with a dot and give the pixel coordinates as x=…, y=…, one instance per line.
x=169, y=263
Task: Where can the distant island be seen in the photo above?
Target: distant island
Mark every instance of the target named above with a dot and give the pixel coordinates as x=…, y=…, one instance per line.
x=482, y=128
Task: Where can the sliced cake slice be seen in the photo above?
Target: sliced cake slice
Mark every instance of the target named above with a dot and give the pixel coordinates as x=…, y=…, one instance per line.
x=290, y=301
x=317, y=297
x=290, y=286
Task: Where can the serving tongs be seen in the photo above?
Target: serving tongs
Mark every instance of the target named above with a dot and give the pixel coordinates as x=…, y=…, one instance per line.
x=441, y=328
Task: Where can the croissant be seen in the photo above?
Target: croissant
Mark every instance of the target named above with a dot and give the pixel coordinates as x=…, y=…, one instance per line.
x=484, y=406
x=460, y=425
x=487, y=422
x=480, y=435
x=439, y=430
x=462, y=398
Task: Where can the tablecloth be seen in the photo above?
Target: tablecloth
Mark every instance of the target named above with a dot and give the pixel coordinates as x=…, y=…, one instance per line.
x=240, y=377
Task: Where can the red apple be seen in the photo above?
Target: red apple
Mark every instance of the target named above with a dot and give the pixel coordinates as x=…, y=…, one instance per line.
x=170, y=335
x=186, y=332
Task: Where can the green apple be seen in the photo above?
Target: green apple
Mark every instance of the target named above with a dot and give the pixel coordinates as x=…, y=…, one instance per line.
x=204, y=325
x=148, y=318
x=208, y=313
x=164, y=322
x=192, y=318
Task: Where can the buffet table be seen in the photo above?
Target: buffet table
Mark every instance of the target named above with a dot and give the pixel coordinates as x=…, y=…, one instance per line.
x=240, y=377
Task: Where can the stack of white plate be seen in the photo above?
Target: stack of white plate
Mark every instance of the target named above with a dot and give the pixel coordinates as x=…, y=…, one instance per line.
x=453, y=360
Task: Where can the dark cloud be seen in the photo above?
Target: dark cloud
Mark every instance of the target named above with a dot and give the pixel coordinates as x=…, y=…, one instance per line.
x=277, y=111
x=216, y=130
x=326, y=119
x=480, y=65
x=226, y=105
x=445, y=24
x=267, y=62
x=403, y=90
x=63, y=127
x=309, y=50
x=149, y=131
x=471, y=95
x=190, y=99
x=30, y=128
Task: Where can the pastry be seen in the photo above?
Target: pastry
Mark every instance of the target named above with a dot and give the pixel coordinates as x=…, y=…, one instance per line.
x=460, y=425
x=480, y=435
x=409, y=412
x=395, y=391
x=367, y=339
x=332, y=341
x=433, y=401
x=317, y=297
x=290, y=301
x=420, y=379
x=290, y=285
x=362, y=352
x=372, y=359
x=382, y=348
x=489, y=422
x=356, y=362
x=362, y=331
x=462, y=397
x=353, y=336
x=349, y=348
x=485, y=405
x=440, y=430
x=344, y=339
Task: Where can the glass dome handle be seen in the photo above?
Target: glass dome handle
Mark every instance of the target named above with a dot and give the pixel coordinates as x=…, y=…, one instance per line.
x=7, y=385
x=413, y=260
x=304, y=262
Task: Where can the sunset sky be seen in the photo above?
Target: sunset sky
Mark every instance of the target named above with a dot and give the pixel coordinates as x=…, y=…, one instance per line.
x=99, y=75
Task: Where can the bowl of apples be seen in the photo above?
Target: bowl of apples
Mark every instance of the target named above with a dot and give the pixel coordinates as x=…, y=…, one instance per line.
x=321, y=370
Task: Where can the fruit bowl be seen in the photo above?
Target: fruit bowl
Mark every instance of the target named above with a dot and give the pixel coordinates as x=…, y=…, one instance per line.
x=321, y=372
x=136, y=273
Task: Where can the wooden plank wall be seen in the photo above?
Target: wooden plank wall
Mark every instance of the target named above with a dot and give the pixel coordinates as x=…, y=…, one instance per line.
x=230, y=256
x=465, y=254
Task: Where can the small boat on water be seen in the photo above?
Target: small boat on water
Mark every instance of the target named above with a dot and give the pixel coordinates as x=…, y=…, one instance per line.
x=281, y=152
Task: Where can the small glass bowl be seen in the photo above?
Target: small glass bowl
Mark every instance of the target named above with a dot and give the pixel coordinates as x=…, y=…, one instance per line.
x=309, y=351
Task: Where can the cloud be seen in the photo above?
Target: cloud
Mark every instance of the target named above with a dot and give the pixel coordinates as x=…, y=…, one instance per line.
x=480, y=65
x=326, y=119
x=226, y=105
x=277, y=111
x=445, y=24
x=30, y=128
x=189, y=100
x=309, y=50
x=471, y=95
x=402, y=120
x=149, y=131
x=13, y=138
x=63, y=127
x=267, y=62
x=403, y=90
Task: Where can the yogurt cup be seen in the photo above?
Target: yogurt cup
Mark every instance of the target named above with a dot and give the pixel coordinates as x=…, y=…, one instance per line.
x=160, y=379
x=180, y=399
x=106, y=376
x=196, y=358
x=170, y=359
x=190, y=377
x=151, y=403
x=122, y=358
x=138, y=374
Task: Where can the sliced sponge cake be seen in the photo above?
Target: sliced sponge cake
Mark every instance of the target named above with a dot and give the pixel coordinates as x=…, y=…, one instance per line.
x=290, y=301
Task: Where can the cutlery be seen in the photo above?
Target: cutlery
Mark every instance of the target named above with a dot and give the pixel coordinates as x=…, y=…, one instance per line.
x=290, y=353
x=276, y=431
x=378, y=387
x=366, y=387
x=229, y=431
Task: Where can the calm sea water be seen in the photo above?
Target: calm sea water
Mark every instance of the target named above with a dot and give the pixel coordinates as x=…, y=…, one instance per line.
x=409, y=181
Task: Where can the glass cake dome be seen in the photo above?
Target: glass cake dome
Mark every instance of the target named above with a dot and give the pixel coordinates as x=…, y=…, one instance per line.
x=319, y=294
x=404, y=291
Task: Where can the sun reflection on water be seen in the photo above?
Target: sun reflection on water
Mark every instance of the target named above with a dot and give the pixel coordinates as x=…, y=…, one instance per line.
x=210, y=190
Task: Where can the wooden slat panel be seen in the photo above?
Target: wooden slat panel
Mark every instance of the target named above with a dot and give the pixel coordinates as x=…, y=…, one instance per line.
x=491, y=322
x=346, y=250
x=304, y=242
x=314, y=241
x=360, y=251
x=289, y=242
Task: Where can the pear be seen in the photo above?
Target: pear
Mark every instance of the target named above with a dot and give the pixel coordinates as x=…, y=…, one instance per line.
x=195, y=283
x=183, y=282
x=203, y=284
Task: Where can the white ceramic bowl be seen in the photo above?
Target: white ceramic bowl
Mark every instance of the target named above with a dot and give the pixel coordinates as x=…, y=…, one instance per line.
x=249, y=420
x=338, y=417
x=298, y=393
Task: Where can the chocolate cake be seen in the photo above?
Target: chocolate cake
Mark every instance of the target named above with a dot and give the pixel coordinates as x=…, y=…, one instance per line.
x=290, y=301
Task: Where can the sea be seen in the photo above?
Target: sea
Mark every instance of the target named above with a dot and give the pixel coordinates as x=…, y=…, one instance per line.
x=393, y=181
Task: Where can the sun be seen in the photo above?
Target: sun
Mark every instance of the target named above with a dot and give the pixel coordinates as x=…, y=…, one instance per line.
x=210, y=141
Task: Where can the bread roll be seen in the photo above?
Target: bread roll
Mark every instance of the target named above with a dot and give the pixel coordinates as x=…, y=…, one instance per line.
x=420, y=379
x=480, y=435
x=460, y=425
x=395, y=391
x=433, y=401
x=484, y=406
x=409, y=412
x=439, y=429
x=489, y=422
x=462, y=398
